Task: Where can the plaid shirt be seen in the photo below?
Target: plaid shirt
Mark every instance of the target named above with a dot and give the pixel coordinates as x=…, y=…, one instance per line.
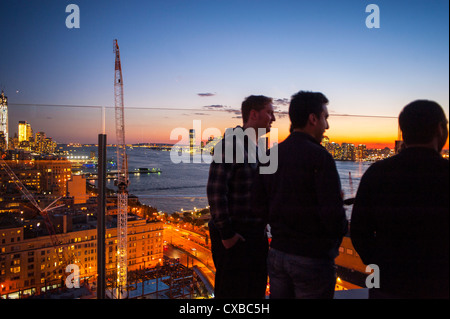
x=229, y=193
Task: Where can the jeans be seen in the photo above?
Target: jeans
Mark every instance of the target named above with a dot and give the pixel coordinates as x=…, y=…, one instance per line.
x=299, y=277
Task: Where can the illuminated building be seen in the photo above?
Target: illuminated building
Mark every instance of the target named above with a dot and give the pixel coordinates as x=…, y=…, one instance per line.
x=361, y=152
x=28, y=175
x=191, y=140
x=398, y=146
x=30, y=264
x=13, y=142
x=350, y=266
x=40, y=142
x=4, y=118
x=334, y=149
x=76, y=188
x=210, y=144
x=39, y=176
x=325, y=141
x=25, y=135
x=22, y=131
x=49, y=146
x=3, y=141
x=55, y=175
x=348, y=152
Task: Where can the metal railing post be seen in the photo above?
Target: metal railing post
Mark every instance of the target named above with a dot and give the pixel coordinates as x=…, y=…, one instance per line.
x=101, y=212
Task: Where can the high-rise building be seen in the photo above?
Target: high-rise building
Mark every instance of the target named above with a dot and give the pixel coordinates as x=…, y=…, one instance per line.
x=361, y=152
x=325, y=141
x=4, y=117
x=23, y=131
x=348, y=152
x=43, y=144
x=26, y=139
x=40, y=142
x=49, y=145
x=3, y=141
x=191, y=140
x=335, y=150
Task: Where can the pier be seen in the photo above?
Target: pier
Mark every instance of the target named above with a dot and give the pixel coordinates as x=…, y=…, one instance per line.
x=113, y=174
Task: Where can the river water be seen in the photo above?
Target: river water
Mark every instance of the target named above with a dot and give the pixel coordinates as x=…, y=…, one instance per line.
x=183, y=186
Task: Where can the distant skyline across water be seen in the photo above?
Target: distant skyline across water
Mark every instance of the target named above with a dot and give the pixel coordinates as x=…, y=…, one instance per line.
x=384, y=129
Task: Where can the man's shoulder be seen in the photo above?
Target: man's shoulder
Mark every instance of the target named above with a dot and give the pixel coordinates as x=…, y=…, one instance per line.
x=304, y=151
x=383, y=166
x=402, y=163
x=302, y=143
x=402, y=158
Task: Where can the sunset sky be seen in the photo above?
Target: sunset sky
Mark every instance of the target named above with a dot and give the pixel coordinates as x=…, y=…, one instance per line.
x=186, y=60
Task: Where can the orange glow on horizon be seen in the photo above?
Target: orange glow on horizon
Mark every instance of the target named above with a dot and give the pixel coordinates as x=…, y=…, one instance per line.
x=156, y=127
x=374, y=133
x=370, y=142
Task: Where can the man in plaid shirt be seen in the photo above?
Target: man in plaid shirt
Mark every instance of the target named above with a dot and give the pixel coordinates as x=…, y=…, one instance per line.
x=238, y=239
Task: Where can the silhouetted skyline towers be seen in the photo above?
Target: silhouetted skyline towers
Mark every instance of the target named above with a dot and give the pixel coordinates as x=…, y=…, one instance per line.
x=4, y=120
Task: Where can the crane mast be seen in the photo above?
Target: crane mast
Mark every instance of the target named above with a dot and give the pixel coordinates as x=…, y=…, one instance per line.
x=122, y=179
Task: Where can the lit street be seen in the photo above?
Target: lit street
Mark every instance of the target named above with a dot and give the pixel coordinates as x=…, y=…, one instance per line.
x=187, y=247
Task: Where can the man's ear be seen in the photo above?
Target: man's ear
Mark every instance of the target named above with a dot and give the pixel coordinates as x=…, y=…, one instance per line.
x=253, y=115
x=312, y=119
x=442, y=131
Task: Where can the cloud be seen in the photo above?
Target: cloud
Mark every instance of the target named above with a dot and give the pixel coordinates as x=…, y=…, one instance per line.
x=224, y=108
x=195, y=113
x=281, y=114
x=216, y=106
x=206, y=94
x=281, y=105
x=281, y=102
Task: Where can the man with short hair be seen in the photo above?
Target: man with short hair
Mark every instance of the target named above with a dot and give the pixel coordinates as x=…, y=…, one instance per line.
x=400, y=218
x=238, y=239
x=305, y=207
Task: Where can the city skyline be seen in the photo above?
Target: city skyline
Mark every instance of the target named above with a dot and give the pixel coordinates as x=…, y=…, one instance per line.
x=202, y=138
x=197, y=60
x=24, y=128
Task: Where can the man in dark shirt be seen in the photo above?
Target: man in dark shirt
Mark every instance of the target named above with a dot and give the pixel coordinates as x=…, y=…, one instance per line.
x=238, y=239
x=400, y=218
x=304, y=203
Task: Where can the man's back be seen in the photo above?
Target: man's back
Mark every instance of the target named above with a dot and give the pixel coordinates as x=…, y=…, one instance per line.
x=400, y=222
x=305, y=207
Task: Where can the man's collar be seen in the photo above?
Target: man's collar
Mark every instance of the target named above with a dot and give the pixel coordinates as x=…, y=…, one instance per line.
x=305, y=135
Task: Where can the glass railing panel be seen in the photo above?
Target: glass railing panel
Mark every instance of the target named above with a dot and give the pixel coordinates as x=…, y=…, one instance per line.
x=53, y=154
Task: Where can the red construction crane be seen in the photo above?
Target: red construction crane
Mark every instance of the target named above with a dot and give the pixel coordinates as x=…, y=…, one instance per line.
x=122, y=180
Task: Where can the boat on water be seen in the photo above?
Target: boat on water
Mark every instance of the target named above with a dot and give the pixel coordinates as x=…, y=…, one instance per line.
x=148, y=170
x=111, y=174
